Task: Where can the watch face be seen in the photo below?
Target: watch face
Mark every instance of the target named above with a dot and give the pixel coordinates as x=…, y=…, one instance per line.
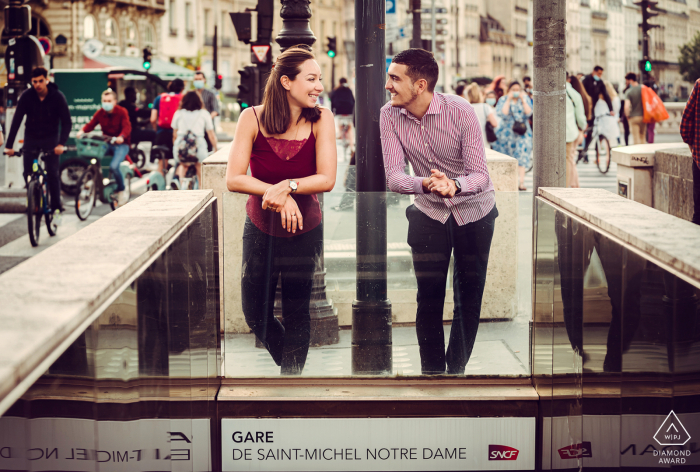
x=292, y=185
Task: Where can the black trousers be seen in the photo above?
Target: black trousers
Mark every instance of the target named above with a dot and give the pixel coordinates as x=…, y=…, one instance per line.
x=696, y=194
x=432, y=243
x=265, y=258
x=52, y=174
x=140, y=135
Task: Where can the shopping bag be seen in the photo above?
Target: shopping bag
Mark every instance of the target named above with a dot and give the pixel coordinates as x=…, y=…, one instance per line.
x=654, y=109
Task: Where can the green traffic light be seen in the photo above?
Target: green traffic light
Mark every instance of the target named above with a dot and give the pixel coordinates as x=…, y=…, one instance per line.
x=331, y=54
x=647, y=66
x=244, y=105
x=146, y=65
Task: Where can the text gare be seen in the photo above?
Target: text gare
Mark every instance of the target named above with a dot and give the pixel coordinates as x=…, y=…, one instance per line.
x=349, y=454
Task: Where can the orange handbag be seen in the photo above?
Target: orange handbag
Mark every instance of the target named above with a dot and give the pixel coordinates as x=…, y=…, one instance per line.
x=654, y=109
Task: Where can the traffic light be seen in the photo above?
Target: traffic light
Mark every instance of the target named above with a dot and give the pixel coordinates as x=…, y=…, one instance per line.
x=147, y=58
x=248, y=90
x=647, y=14
x=331, y=46
x=217, y=81
x=647, y=66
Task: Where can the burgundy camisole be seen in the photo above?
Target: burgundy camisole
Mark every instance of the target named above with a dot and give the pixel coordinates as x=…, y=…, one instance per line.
x=273, y=160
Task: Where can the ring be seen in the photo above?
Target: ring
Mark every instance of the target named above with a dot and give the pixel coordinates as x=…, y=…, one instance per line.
x=294, y=214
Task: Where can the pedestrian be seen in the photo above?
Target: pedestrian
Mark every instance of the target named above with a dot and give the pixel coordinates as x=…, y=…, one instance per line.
x=209, y=99
x=690, y=132
x=575, y=125
x=164, y=107
x=343, y=107
x=588, y=109
x=484, y=112
x=609, y=124
x=527, y=85
x=461, y=90
x=514, y=131
x=634, y=109
x=114, y=122
x=46, y=109
x=595, y=88
x=454, y=211
x=651, y=127
x=498, y=86
x=138, y=132
x=289, y=144
x=190, y=124
x=623, y=118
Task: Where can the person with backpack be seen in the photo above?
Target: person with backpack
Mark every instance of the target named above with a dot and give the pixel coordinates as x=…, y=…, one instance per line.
x=190, y=124
x=164, y=108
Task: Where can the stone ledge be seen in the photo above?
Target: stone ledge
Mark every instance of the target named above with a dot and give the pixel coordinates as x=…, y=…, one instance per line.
x=666, y=238
x=48, y=297
x=641, y=155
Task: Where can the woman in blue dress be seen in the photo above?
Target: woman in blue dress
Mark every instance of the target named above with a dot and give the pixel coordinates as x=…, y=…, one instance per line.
x=514, y=109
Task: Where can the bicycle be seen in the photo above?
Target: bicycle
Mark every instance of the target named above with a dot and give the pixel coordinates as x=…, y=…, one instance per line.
x=97, y=179
x=38, y=200
x=602, y=148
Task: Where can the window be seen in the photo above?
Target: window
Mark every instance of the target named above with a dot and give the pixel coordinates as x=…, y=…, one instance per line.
x=131, y=34
x=188, y=20
x=111, y=31
x=172, y=18
x=148, y=34
x=207, y=21
x=89, y=27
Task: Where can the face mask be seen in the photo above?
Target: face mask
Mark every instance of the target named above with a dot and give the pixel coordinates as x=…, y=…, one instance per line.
x=491, y=101
x=516, y=94
x=198, y=84
x=107, y=106
x=596, y=78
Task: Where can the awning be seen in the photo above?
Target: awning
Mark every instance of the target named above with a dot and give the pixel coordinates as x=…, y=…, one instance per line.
x=163, y=69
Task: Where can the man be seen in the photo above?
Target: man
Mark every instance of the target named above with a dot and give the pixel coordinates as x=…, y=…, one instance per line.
x=527, y=84
x=455, y=206
x=138, y=133
x=209, y=98
x=594, y=85
x=634, y=109
x=114, y=122
x=164, y=108
x=690, y=132
x=343, y=107
x=46, y=110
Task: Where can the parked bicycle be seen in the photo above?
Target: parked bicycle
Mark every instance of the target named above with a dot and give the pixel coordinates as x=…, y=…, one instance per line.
x=97, y=181
x=38, y=203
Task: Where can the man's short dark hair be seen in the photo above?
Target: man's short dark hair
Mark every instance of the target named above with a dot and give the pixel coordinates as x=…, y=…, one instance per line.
x=597, y=69
x=459, y=90
x=176, y=86
x=199, y=72
x=420, y=64
x=130, y=92
x=40, y=72
x=631, y=76
x=343, y=80
x=527, y=79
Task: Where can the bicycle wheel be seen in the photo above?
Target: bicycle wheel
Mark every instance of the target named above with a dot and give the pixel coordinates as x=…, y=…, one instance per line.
x=87, y=192
x=69, y=173
x=602, y=154
x=139, y=158
x=35, y=210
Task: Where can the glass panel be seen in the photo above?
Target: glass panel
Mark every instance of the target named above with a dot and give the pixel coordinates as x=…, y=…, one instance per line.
x=342, y=330
x=136, y=390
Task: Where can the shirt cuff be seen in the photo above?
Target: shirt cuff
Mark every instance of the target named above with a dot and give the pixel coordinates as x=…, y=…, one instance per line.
x=418, y=186
x=465, y=186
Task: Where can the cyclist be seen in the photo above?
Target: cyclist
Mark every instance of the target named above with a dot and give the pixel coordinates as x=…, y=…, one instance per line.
x=114, y=121
x=164, y=108
x=138, y=132
x=47, y=129
x=343, y=106
x=209, y=98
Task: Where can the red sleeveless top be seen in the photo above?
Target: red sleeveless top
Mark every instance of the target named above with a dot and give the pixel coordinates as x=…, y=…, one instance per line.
x=273, y=160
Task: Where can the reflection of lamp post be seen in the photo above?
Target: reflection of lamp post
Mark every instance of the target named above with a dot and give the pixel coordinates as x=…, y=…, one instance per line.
x=324, y=322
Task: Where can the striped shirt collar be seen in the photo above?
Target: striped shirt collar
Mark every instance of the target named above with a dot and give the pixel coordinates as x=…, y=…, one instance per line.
x=434, y=108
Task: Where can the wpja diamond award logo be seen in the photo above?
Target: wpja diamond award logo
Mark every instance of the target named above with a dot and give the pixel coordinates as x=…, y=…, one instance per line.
x=672, y=433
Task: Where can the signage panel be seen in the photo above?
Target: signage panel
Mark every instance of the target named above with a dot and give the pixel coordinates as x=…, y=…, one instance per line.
x=378, y=444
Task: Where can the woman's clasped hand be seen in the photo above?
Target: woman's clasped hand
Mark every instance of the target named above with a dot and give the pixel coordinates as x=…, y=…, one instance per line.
x=277, y=198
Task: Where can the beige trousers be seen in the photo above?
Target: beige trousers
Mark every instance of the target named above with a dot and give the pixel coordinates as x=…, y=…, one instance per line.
x=571, y=171
x=638, y=129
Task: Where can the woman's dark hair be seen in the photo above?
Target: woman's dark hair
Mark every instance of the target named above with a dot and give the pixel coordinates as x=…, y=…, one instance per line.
x=459, y=90
x=191, y=101
x=176, y=86
x=513, y=84
x=578, y=86
x=276, y=116
x=420, y=64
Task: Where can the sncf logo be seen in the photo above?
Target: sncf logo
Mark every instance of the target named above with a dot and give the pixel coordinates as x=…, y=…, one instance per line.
x=502, y=453
x=576, y=450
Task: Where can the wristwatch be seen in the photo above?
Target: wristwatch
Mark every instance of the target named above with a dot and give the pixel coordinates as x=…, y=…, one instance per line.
x=459, y=187
x=293, y=185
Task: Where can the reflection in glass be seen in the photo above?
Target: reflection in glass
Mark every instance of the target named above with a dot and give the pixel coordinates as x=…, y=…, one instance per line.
x=136, y=389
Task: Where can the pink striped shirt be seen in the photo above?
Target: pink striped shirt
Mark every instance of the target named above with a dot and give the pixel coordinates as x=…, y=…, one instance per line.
x=447, y=138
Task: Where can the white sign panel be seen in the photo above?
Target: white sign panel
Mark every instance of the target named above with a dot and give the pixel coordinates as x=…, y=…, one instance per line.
x=53, y=444
x=378, y=444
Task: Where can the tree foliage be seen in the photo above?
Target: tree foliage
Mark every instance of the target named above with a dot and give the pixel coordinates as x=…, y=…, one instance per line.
x=690, y=59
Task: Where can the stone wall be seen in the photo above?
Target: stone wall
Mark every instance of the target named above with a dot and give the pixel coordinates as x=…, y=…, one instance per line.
x=673, y=182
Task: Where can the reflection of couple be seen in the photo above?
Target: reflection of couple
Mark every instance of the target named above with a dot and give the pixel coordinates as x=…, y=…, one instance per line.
x=438, y=134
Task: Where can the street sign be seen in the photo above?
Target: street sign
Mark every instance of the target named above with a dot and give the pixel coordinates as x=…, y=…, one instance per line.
x=93, y=48
x=45, y=44
x=260, y=52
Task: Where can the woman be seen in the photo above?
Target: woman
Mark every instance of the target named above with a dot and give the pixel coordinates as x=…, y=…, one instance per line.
x=289, y=143
x=190, y=123
x=484, y=112
x=513, y=109
x=498, y=86
x=609, y=125
x=587, y=105
x=575, y=123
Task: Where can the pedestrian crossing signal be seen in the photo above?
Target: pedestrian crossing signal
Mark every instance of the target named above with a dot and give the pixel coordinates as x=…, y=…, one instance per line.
x=647, y=66
x=147, y=59
x=331, y=46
